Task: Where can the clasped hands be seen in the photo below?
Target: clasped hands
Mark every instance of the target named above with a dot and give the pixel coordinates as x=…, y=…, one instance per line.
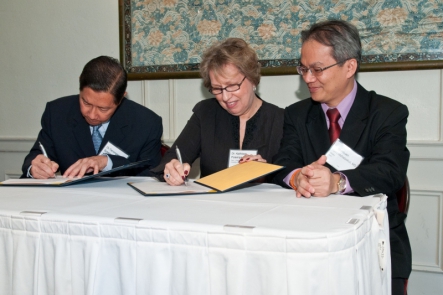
x=43, y=168
x=316, y=180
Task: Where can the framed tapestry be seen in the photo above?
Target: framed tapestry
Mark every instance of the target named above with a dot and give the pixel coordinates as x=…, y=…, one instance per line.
x=161, y=39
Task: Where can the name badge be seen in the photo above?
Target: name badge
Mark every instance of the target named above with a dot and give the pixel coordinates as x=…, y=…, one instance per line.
x=236, y=155
x=342, y=157
x=110, y=149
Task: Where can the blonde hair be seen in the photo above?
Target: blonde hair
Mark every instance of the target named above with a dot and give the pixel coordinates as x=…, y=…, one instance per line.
x=233, y=51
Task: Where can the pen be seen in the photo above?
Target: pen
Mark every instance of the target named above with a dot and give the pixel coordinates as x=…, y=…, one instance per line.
x=42, y=148
x=179, y=157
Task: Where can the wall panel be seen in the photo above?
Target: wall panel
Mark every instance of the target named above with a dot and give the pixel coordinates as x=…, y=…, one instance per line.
x=158, y=97
x=424, y=224
x=420, y=91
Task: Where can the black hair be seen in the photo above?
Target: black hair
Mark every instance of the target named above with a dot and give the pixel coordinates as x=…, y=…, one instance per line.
x=105, y=74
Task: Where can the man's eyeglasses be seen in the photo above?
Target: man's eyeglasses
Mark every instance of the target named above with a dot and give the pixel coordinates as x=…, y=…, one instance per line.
x=316, y=71
x=229, y=88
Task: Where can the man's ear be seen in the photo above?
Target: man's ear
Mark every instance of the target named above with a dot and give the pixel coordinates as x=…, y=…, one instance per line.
x=351, y=66
x=124, y=95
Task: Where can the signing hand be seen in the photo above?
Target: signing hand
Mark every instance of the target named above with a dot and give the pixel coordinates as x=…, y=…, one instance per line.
x=86, y=165
x=247, y=158
x=175, y=173
x=43, y=168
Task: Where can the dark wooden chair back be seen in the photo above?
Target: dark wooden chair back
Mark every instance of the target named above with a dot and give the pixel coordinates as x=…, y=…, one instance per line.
x=403, y=197
x=164, y=148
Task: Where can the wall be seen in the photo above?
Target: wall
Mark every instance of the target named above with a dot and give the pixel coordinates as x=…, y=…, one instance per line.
x=44, y=45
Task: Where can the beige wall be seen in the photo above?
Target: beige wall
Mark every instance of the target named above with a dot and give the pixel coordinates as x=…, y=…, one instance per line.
x=44, y=45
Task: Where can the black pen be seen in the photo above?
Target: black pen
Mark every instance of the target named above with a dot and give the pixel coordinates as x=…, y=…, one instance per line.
x=179, y=157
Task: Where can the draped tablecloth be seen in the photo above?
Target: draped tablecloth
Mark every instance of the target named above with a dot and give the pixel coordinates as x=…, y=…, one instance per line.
x=104, y=238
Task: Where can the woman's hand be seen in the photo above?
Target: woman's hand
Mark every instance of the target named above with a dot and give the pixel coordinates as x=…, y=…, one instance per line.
x=247, y=158
x=175, y=173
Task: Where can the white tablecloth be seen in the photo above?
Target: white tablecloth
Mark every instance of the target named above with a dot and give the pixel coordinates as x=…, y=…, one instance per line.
x=105, y=238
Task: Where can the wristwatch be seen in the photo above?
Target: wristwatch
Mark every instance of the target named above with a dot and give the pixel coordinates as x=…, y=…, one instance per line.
x=341, y=184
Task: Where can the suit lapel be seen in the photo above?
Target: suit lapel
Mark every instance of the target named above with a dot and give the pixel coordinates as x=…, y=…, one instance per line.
x=317, y=131
x=118, y=126
x=357, y=118
x=81, y=132
x=355, y=123
x=116, y=132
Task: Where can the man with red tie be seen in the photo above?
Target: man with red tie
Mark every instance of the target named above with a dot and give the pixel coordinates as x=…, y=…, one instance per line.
x=341, y=112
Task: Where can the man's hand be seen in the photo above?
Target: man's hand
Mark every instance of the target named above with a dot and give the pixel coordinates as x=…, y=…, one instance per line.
x=43, y=168
x=304, y=188
x=93, y=164
x=316, y=180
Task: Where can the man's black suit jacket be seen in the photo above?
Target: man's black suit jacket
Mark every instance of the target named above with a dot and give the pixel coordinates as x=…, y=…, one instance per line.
x=66, y=135
x=375, y=128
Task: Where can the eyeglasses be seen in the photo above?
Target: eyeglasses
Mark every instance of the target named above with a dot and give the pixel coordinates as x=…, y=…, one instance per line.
x=316, y=71
x=229, y=88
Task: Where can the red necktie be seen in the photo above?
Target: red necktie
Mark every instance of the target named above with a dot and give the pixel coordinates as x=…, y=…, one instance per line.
x=334, y=127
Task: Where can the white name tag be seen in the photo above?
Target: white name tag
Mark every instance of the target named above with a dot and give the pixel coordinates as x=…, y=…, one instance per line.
x=236, y=155
x=342, y=157
x=110, y=149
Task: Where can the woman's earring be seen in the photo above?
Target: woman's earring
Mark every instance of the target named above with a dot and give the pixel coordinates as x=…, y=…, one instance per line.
x=254, y=88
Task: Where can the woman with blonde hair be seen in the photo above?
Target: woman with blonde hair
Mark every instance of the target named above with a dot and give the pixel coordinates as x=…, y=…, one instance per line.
x=236, y=118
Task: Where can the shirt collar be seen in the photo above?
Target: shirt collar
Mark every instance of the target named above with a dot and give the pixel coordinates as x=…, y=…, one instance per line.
x=102, y=129
x=345, y=105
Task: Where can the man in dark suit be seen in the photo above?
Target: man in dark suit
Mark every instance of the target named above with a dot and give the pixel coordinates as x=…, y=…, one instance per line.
x=97, y=130
x=372, y=125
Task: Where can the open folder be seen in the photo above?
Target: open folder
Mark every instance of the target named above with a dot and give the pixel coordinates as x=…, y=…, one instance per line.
x=61, y=181
x=222, y=181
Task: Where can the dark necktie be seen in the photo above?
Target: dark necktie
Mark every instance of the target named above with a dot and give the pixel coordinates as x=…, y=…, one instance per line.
x=334, y=127
x=96, y=137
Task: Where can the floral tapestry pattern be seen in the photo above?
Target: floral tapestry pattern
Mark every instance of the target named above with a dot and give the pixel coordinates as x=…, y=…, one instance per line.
x=163, y=35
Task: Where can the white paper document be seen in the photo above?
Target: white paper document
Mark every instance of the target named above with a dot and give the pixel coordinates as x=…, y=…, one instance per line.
x=158, y=188
x=56, y=180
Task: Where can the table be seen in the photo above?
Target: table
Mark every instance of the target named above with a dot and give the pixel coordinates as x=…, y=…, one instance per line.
x=103, y=237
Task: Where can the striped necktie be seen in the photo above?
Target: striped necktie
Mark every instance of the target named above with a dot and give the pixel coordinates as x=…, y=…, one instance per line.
x=96, y=137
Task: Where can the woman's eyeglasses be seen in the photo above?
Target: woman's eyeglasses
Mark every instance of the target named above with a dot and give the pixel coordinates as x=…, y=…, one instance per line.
x=229, y=88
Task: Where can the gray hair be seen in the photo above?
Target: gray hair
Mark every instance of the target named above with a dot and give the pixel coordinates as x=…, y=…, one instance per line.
x=341, y=36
